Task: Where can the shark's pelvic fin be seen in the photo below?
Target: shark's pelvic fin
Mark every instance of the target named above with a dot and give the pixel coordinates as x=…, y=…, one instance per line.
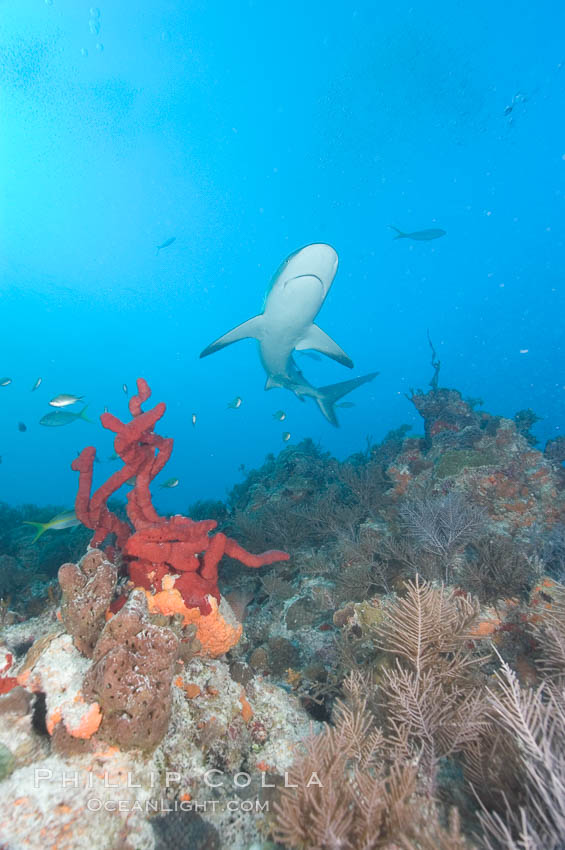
x=250, y=328
x=319, y=340
x=327, y=396
x=272, y=383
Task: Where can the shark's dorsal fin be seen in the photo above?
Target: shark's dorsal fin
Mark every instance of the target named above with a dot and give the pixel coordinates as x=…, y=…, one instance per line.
x=319, y=340
x=250, y=328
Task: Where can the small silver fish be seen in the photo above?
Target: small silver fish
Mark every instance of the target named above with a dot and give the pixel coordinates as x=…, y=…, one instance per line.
x=193, y=419
x=114, y=456
x=64, y=399
x=419, y=235
x=37, y=384
x=63, y=417
x=286, y=436
x=125, y=388
x=280, y=415
x=235, y=403
x=165, y=244
x=5, y=381
x=170, y=482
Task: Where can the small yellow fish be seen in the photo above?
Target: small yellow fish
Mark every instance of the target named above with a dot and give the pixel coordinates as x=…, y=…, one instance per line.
x=286, y=436
x=280, y=415
x=64, y=399
x=170, y=482
x=235, y=403
x=68, y=519
x=193, y=419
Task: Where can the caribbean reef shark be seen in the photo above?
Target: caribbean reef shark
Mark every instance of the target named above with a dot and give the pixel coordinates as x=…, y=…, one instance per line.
x=295, y=296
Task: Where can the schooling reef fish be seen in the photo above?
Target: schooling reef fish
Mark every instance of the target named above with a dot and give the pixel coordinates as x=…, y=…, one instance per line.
x=37, y=384
x=5, y=381
x=295, y=297
x=68, y=519
x=64, y=399
x=165, y=244
x=419, y=235
x=235, y=403
x=22, y=427
x=170, y=482
x=63, y=417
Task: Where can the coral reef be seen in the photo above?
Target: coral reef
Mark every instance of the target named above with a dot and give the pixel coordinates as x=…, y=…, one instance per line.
x=420, y=619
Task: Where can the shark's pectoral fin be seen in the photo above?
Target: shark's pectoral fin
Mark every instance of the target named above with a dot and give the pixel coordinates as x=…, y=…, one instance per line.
x=319, y=340
x=251, y=328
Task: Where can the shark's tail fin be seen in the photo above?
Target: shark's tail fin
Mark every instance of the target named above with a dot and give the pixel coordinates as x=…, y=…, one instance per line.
x=399, y=233
x=40, y=526
x=327, y=396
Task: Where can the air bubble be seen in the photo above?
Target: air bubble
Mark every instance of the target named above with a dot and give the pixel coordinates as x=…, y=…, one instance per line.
x=99, y=47
x=94, y=12
x=94, y=26
x=83, y=51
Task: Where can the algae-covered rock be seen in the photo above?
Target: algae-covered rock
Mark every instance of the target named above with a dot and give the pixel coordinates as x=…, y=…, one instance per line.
x=7, y=762
x=301, y=614
x=369, y=616
x=454, y=461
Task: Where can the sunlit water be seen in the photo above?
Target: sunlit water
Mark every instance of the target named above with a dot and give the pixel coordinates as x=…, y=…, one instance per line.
x=245, y=131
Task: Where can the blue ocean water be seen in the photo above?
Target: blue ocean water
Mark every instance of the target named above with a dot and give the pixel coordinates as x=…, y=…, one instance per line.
x=246, y=130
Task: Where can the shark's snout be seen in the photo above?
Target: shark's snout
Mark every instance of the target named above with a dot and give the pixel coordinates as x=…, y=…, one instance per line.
x=318, y=260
